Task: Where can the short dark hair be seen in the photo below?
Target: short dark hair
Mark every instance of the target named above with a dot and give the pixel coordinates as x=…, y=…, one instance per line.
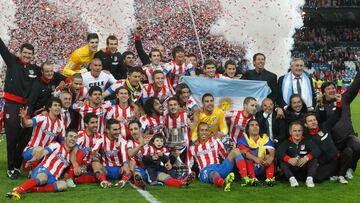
x=91, y=36
x=172, y=99
x=149, y=105
x=176, y=50
x=157, y=72
x=69, y=130
x=192, y=55
x=295, y=123
x=158, y=135
x=304, y=107
x=111, y=122
x=307, y=115
x=51, y=101
x=94, y=89
x=128, y=53
x=154, y=50
x=27, y=46
x=135, y=121
x=258, y=54
x=230, y=62
x=248, y=99
x=89, y=116
x=206, y=95
x=46, y=63
x=325, y=85
x=135, y=69
x=111, y=37
x=209, y=62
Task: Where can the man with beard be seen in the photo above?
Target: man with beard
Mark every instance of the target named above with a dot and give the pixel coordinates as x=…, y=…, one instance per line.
x=213, y=116
x=158, y=88
x=343, y=132
x=153, y=122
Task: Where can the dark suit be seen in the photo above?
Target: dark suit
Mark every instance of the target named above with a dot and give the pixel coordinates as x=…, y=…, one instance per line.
x=281, y=102
x=277, y=125
x=267, y=76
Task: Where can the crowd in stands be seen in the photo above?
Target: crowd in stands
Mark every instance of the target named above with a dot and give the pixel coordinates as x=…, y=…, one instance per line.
x=331, y=3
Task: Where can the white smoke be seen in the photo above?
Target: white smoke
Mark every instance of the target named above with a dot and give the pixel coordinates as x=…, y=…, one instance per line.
x=104, y=17
x=7, y=19
x=265, y=26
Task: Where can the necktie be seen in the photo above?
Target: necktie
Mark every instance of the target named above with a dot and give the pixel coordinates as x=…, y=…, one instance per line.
x=298, y=86
x=65, y=117
x=268, y=125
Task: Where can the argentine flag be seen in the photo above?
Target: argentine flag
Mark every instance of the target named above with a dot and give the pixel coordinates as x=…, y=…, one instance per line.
x=229, y=94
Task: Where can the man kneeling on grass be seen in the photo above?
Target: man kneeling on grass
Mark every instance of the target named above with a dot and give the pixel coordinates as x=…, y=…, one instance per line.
x=206, y=151
x=44, y=178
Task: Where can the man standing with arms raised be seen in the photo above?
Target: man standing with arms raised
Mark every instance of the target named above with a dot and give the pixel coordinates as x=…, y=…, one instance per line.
x=20, y=75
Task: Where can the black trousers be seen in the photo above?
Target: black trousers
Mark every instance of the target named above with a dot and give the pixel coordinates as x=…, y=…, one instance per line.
x=16, y=136
x=353, y=143
x=325, y=170
x=309, y=169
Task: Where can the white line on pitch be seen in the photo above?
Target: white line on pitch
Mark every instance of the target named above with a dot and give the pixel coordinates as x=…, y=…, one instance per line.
x=146, y=195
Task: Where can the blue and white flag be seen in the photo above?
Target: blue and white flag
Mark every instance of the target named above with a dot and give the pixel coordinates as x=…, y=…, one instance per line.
x=229, y=94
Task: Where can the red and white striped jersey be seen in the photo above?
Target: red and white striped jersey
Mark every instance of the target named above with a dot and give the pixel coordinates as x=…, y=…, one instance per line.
x=100, y=111
x=57, y=160
x=190, y=104
x=86, y=142
x=182, y=122
x=131, y=144
x=124, y=115
x=152, y=126
x=238, y=125
x=100, y=81
x=113, y=152
x=45, y=131
x=149, y=71
x=207, y=153
x=164, y=93
x=175, y=71
x=136, y=95
x=151, y=150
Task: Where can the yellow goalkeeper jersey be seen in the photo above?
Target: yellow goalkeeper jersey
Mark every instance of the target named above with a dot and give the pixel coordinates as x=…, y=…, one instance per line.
x=78, y=60
x=216, y=122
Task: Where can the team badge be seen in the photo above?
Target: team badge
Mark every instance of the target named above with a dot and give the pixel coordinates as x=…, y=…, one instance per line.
x=7, y=116
x=31, y=72
x=302, y=147
x=321, y=133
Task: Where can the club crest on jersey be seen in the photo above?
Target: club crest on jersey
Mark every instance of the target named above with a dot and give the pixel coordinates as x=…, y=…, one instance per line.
x=31, y=72
x=321, y=133
x=51, y=134
x=302, y=147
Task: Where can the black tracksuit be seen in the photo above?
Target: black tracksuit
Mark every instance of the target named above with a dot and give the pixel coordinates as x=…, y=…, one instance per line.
x=18, y=86
x=331, y=162
x=42, y=91
x=114, y=63
x=343, y=132
x=288, y=149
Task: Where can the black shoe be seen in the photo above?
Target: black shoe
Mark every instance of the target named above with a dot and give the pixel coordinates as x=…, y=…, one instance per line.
x=17, y=172
x=11, y=174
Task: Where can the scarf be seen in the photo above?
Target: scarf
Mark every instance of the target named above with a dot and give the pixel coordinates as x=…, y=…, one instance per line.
x=133, y=89
x=259, y=144
x=287, y=88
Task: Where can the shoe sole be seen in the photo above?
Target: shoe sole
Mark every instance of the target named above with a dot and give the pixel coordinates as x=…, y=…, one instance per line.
x=12, y=196
x=190, y=179
x=228, y=181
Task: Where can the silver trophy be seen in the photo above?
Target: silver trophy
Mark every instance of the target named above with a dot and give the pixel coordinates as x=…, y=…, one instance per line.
x=176, y=142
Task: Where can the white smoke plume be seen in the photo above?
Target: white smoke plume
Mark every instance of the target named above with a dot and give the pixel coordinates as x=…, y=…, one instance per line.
x=104, y=17
x=265, y=26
